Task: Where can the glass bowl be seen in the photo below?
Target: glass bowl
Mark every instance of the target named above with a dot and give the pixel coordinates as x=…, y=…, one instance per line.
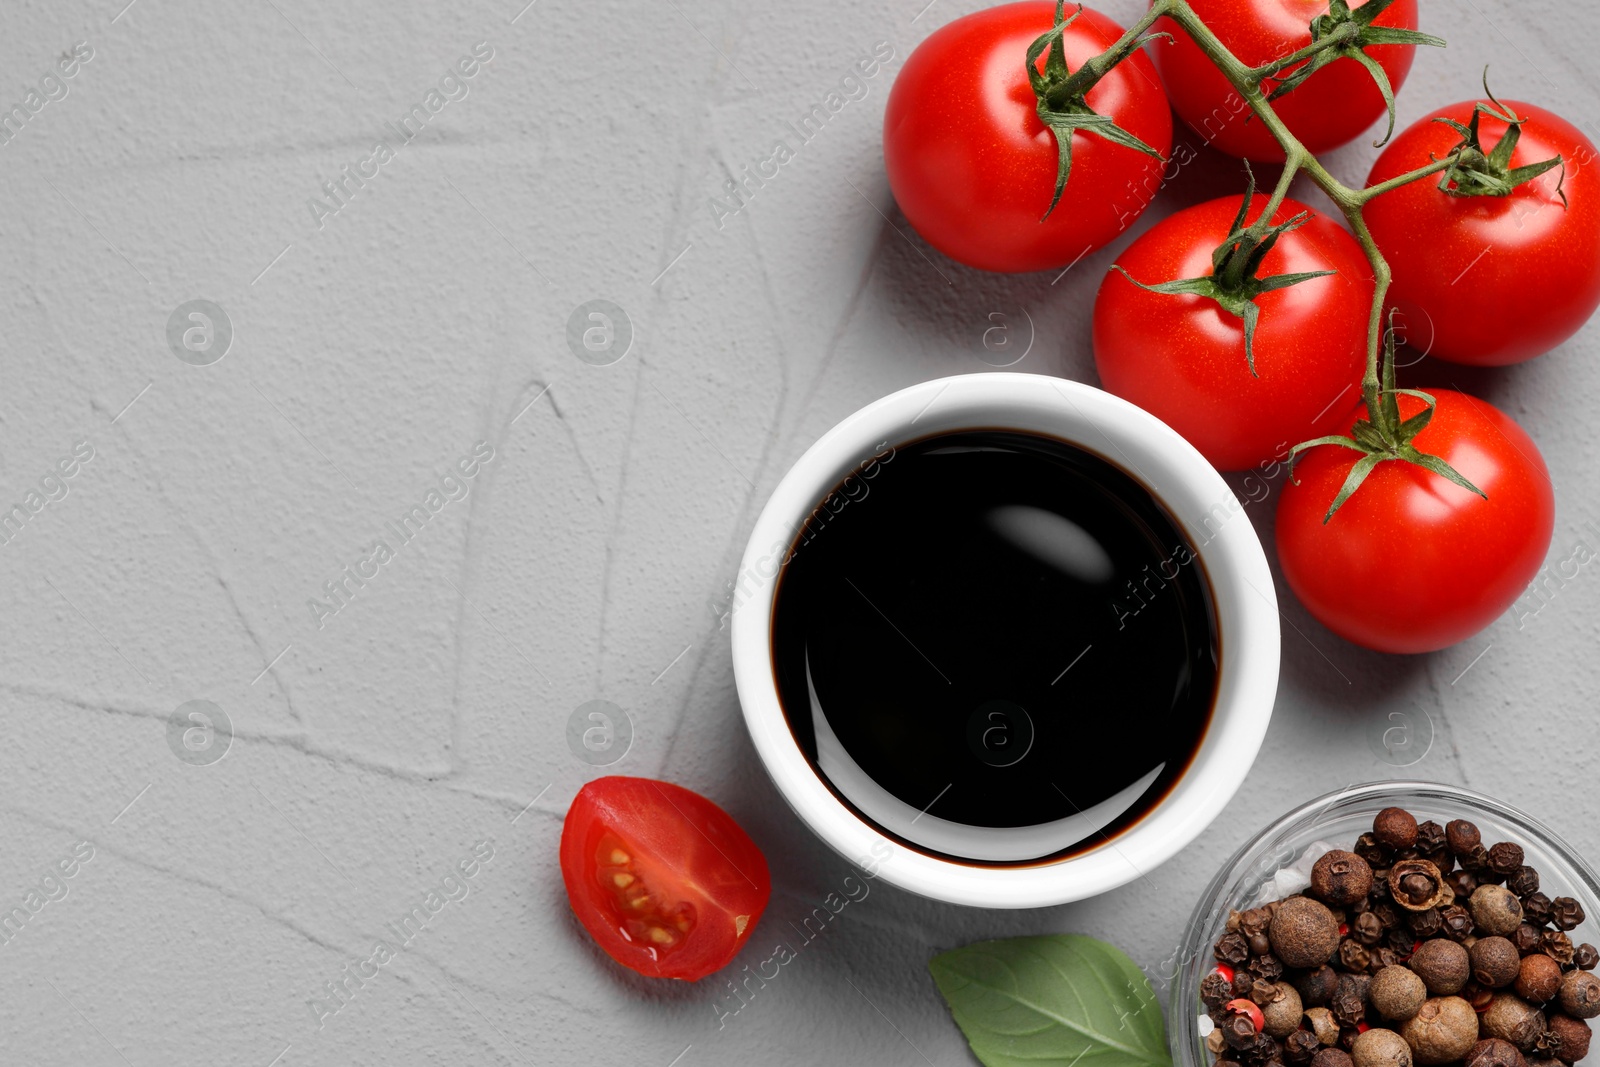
x=1338, y=819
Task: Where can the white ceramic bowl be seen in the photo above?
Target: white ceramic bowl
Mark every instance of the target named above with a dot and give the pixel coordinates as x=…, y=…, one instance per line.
x=1195, y=495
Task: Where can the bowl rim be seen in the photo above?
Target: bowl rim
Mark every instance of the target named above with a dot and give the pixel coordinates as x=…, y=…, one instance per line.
x=1183, y=994
x=1192, y=492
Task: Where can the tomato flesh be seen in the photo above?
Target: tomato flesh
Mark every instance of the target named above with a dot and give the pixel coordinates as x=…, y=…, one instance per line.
x=1330, y=108
x=1412, y=562
x=663, y=879
x=1491, y=280
x=972, y=166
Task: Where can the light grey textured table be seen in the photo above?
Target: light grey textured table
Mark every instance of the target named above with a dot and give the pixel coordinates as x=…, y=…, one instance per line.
x=372, y=347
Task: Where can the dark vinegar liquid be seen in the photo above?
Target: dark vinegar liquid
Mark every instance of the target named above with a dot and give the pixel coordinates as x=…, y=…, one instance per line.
x=1002, y=630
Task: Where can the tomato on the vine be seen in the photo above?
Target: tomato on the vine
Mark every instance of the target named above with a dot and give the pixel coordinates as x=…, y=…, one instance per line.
x=663, y=879
x=1182, y=356
x=973, y=167
x=1333, y=106
x=1411, y=562
x=1491, y=280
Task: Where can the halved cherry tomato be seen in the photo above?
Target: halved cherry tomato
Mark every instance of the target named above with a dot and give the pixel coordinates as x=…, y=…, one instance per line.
x=663, y=879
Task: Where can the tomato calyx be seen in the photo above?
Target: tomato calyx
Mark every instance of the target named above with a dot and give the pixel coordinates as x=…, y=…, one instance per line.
x=1341, y=33
x=1476, y=172
x=1383, y=435
x=1234, y=282
x=1061, y=92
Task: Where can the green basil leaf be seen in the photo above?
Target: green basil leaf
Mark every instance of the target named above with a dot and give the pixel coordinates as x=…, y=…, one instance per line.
x=1059, y=999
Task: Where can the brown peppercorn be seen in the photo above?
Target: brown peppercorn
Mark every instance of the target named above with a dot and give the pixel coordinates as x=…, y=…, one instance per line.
x=1332, y=1057
x=1523, y=880
x=1538, y=978
x=1395, y=828
x=1476, y=860
x=1536, y=908
x=1389, y=915
x=1264, y=993
x=1461, y=835
x=1349, y=1000
x=1565, y=913
x=1457, y=922
x=1379, y=1047
x=1353, y=955
x=1304, y=932
x=1383, y=956
x=1430, y=837
x=1461, y=883
x=1442, y=1030
x=1282, y=1013
x=1367, y=928
x=1416, y=885
x=1324, y=1025
x=1586, y=956
x=1214, y=1043
x=1571, y=1042
x=1557, y=945
x=1425, y=924
x=1396, y=993
x=1267, y=966
x=1238, y=1031
x=1258, y=942
x=1495, y=962
x=1493, y=1052
x=1300, y=1046
x=1376, y=855
x=1495, y=910
x=1526, y=938
x=1340, y=878
x=1243, y=983
x=1580, y=995
x=1316, y=986
x=1442, y=965
x=1505, y=857
x=1232, y=949
x=1510, y=1017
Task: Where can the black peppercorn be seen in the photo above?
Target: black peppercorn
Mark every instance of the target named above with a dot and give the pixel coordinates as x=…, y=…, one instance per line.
x=1215, y=989
x=1586, y=956
x=1254, y=921
x=1395, y=828
x=1376, y=855
x=1349, y=1000
x=1505, y=857
x=1565, y=913
x=1301, y=1046
x=1430, y=837
x=1401, y=940
x=1536, y=908
x=1522, y=881
x=1389, y=915
x=1267, y=967
x=1426, y=923
x=1476, y=860
x=1526, y=938
x=1367, y=929
x=1462, y=883
x=1262, y=1051
x=1457, y=922
x=1316, y=986
x=1232, y=949
x=1243, y=983
x=1238, y=1031
x=1353, y=955
x=1382, y=957
x=1556, y=945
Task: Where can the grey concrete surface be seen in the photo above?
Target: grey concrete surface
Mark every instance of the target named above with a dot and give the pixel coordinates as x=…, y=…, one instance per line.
x=372, y=748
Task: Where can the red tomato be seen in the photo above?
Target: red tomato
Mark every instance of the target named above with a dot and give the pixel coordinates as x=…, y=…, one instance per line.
x=1182, y=358
x=1491, y=280
x=974, y=169
x=664, y=880
x=1412, y=562
x=1330, y=108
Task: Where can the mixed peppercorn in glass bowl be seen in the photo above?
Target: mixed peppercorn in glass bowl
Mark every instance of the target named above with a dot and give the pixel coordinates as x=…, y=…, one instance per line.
x=1396, y=924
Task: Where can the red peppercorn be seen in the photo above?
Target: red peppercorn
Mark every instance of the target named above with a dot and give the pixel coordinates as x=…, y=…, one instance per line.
x=1224, y=970
x=1248, y=1008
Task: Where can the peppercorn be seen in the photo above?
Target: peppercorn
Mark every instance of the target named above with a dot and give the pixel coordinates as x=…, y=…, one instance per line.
x=1479, y=997
x=1401, y=940
x=1268, y=967
x=1457, y=922
x=1395, y=828
x=1254, y=921
x=1565, y=913
x=1523, y=880
x=1304, y=932
x=1495, y=962
x=1341, y=878
x=1526, y=938
x=1259, y=943
x=1505, y=857
x=1263, y=993
x=1461, y=836
x=1316, y=985
x=1349, y=1000
x=1430, y=837
x=1324, y=1025
x=1536, y=908
x=1572, y=1038
x=1494, y=1052
x=1376, y=855
x=1367, y=929
x=1514, y=1019
x=1558, y=946
x=1383, y=956
x=1443, y=1029
x=1538, y=978
x=1379, y=1047
x=1301, y=1046
x=1416, y=885
x=1586, y=956
x=1332, y=1057
x=1461, y=883
x=1238, y=1031
x=1442, y=965
x=1580, y=995
x=1347, y=1037
x=1397, y=993
x=1232, y=949
x=1495, y=910
x=1264, y=1051
x=1353, y=955
x=1425, y=924
x=1282, y=1012
x=1476, y=860
x=1214, y=1043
